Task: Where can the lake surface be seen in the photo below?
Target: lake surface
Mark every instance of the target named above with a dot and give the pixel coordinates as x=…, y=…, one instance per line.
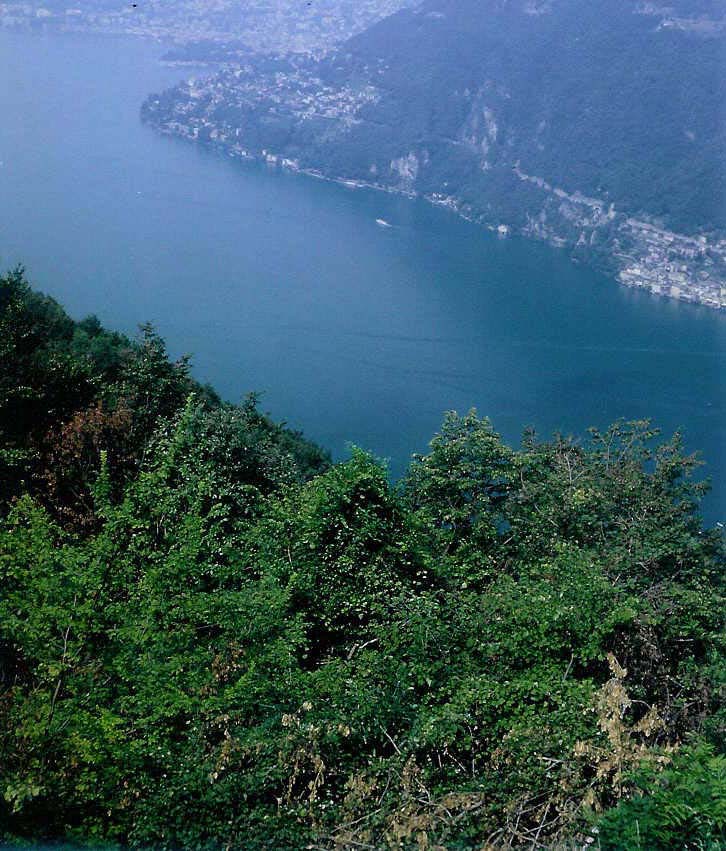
x=286, y=285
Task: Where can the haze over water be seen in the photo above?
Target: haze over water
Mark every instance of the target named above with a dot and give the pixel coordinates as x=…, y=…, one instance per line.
x=286, y=285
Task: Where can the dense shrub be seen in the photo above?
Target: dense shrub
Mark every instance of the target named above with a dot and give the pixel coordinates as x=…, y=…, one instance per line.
x=212, y=638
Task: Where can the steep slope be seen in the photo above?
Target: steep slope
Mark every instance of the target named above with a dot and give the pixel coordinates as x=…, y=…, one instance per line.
x=596, y=126
x=230, y=643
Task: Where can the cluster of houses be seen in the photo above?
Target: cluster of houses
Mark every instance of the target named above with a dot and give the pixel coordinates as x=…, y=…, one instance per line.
x=286, y=26
x=689, y=268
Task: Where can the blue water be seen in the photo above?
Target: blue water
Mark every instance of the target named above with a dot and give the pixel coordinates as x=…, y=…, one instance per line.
x=284, y=284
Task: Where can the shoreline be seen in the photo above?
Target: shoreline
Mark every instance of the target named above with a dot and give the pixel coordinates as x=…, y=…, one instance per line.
x=618, y=273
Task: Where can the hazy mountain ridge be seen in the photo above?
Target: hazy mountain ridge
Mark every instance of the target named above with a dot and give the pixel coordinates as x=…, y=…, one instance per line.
x=564, y=122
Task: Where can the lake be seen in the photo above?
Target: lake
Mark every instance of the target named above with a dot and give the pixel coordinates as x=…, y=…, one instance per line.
x=286, y=285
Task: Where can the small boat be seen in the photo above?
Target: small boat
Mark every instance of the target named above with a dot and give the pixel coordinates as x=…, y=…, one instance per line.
x=383, y=223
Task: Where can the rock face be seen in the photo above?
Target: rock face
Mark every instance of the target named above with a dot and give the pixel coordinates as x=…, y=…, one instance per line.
x=406, y=168
x=564, y=121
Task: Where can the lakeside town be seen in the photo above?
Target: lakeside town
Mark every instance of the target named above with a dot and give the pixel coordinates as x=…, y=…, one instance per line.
x=285, y=27
x=643, y=254
x=670, y=264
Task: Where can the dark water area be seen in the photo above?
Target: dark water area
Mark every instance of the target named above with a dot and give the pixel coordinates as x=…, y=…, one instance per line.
x=286, y=285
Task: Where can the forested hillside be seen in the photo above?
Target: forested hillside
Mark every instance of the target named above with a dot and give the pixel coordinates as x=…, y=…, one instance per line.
x=596, y=126
x=212, y=637
x=604, y=98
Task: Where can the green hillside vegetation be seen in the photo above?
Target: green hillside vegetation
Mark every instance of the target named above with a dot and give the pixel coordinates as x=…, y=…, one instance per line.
x=585, y=95
x=213, y=637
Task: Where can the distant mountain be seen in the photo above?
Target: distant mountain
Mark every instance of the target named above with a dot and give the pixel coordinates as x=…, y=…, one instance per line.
x=599, y=126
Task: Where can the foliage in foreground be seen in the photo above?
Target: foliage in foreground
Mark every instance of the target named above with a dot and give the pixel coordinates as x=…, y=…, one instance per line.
x=682, y=806
x=210, y=637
